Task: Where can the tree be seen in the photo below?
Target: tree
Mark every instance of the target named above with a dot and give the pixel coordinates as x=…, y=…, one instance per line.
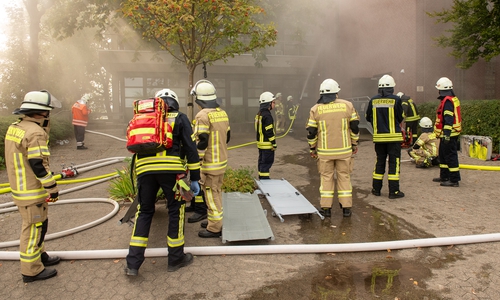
x=197, y=32
x=476, y=30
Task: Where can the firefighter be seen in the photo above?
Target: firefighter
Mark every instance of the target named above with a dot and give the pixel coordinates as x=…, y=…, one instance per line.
x=448, y=127
x=425, y=150
x=280, y=114
x=161, y=170
x=265, y=134
x=291, y=109
x=411, y=118
x=80, y=113
x=385, y=113
x=31, y=181
x=333, y=135
x=213, y=133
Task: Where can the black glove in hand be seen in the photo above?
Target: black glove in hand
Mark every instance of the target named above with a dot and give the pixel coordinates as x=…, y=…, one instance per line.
x=53, y=197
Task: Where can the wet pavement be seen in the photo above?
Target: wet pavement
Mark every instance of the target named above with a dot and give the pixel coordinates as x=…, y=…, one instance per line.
x=450, y=272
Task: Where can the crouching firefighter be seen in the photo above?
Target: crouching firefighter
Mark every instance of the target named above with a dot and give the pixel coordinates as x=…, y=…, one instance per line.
x=31, y=181
x=333, y=135
x=160, y=170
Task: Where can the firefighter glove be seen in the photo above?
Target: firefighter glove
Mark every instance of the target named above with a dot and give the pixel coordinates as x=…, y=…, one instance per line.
x=53, y=197
x=354, y=149
x=195, y=187
x=313, y=153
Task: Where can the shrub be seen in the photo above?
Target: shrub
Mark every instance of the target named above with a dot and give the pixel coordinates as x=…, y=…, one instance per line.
x=479, y=117
x=238, y=180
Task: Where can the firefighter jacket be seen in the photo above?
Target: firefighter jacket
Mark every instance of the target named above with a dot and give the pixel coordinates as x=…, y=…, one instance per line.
x=27, y=161
x=385, y=113
x=182, y=156
x=428, y=142
x=333, y=129
x=264, y=129
x=410, y=109
x=213, y=133
x=279, y=109
x=80, y=114
x=448, y=117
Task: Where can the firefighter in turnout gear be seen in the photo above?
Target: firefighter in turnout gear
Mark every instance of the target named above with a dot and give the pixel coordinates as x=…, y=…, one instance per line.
x=213, y=133
x=425, y=149
x=161, y=170
x=385, y=113
x=411, y=118
x=80, y=113
x=280, y=114
x=31, y=181
x=448, y=127
x=265, y=135
x=333, y=135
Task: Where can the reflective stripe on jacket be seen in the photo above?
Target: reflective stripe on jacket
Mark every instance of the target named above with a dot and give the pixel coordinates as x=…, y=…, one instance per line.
x=25, y=140
x=442, y=114
x=80, y=114
x=213, y=122
x=385, y=113
x=264, y=129
x=334, y=137
x=182, y=156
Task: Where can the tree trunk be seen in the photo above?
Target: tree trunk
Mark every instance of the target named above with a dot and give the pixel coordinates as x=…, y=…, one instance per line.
x=34, y=51
x=191, y=98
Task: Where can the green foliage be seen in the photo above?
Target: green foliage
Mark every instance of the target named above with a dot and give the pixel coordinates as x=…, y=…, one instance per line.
x=238, y=180
x=122, y=188
x=197, y=31
x=479, y=117
x=475, y=31
x=60, y=129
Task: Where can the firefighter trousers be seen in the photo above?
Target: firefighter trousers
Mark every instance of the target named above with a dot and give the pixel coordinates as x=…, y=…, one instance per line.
x=212, y=187
x=393, y=151
x=33, y=229
x=266, y=160
x=448, y=159
x=335, y=174
x=79, y=135
x=147, y=189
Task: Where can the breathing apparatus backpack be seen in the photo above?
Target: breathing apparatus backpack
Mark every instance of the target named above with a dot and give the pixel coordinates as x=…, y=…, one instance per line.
x=149, y=131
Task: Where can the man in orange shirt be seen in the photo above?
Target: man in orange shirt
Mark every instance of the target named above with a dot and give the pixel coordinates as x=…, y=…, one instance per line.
x=80, y=121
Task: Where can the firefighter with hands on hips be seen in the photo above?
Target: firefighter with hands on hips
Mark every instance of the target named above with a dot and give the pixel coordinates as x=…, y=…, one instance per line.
x=212, y=131
x=333, y=135
x=280, y=114
x=411, y=116
x=31, y=181
x=80, y=113
x=425, y=149
x=448, y=127
x=385, y=113
x=265, y=135
x=161, y=170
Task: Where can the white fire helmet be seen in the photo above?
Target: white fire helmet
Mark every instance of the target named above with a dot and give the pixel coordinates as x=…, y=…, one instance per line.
x=39, y=100
x=204, y=90
x=386, y=81
x=444, y=84
x=329, y=86
x=167, y=93
x=266, y=97
x=425, y=123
